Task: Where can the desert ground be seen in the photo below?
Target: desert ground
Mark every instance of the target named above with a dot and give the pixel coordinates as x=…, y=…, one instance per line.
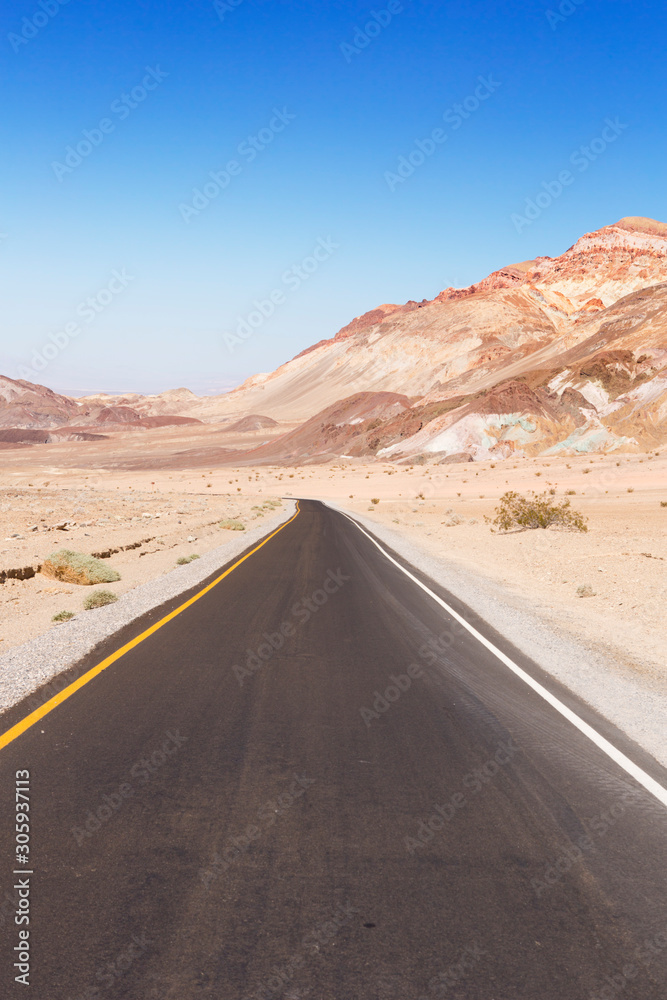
x=442, y=508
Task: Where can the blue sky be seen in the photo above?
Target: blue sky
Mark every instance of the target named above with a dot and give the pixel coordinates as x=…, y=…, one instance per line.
x=304, y=114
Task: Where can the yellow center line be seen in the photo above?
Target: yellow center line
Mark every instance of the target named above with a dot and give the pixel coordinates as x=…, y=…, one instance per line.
x=62, y=696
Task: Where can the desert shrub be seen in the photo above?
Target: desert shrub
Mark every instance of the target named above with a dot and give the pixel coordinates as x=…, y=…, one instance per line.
x=453, y=521
x=537, y=511
x=184, y=560
x=631, y=489
x=79, y=568
x=585, y=590
x=99, y=599
x=663, y=503
x=374, y=500
x=63, y=616
x=570, y=493
x=232, y=525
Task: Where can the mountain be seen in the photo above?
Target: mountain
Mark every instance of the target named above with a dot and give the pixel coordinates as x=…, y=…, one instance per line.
x=555, y=354
x=564, y=354
x=30, y=407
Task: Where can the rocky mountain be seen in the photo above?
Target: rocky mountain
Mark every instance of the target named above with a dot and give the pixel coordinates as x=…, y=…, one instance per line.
x=564, y=354
x=25, y=406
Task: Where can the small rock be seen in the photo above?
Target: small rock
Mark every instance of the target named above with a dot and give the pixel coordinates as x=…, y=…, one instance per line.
x=192, y=538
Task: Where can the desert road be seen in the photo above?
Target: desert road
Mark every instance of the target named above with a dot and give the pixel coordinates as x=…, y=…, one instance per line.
x=313, y=783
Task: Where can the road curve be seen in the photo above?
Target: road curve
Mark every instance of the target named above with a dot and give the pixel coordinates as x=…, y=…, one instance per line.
x=314, y=784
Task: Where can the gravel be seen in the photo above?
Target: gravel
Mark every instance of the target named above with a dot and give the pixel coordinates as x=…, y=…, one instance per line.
x=635, y=703
x=28, y=667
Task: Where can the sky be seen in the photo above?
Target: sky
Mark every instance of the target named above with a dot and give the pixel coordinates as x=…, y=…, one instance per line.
x=193, y=193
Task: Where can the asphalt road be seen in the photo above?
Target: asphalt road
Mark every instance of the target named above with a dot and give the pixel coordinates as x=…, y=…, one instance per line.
x=224, y=815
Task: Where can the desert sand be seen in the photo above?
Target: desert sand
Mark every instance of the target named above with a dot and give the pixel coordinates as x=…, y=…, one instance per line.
x=623, y=556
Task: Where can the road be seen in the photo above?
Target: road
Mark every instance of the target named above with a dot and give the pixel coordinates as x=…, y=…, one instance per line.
x=313, y=783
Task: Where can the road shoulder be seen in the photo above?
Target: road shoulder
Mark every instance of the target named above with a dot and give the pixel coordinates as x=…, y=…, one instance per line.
x=635, y=703
x=27, y=668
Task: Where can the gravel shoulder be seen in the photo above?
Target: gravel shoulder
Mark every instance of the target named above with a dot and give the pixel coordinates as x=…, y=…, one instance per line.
x=28, y=667
x=634, y=701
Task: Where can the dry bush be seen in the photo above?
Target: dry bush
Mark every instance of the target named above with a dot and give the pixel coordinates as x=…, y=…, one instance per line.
x=585, y=590
x=99, y=599
x=79, y=568
x=63, y=616
x=231, y=525
x=184, y=560
x=537, y=511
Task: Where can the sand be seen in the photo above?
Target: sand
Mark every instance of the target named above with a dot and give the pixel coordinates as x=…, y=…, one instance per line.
x=623, y=556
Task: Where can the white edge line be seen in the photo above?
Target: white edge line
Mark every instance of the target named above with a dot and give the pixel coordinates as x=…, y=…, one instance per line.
x=644, y=779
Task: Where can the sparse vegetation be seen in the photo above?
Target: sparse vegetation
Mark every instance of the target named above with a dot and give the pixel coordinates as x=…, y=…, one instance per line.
x=99, y=599
x=663, y=503
x=184, y=560
x=375, y=500
x=570, y=493
x=585, y=590
x=232, y=525
x=453, y=521
x=63, y=616
x=537, y=511
x=79, y=568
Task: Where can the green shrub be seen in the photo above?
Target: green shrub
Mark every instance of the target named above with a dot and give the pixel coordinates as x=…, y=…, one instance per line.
x=184, y=560
x=231, y=525
x=63, y=616
x=79, y=568
x=537, y=511
x=99, y=599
